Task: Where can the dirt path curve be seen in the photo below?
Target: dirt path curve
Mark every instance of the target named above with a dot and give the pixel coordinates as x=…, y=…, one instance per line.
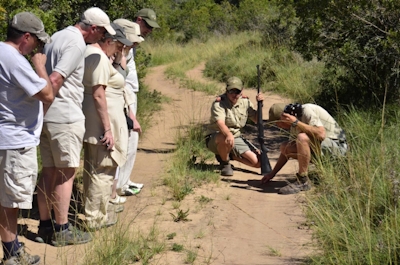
x=244, y=223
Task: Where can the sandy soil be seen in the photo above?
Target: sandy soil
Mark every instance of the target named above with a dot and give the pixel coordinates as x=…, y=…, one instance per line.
x=245, y=223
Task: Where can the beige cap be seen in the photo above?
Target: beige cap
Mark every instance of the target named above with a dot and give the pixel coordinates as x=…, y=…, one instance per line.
x=234, y=83
x=132, y=30
x=96, y=16
x=275, y=111
x=28, y=22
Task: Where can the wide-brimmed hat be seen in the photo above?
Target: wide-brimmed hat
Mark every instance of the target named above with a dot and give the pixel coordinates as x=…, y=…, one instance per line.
x=132, y=30
x=28, y=22
x=149, y=16
x=275, y=111
x=234, y=83
x=96, y=16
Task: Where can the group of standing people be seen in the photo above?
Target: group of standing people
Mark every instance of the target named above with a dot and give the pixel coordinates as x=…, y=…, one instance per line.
x=80, y=94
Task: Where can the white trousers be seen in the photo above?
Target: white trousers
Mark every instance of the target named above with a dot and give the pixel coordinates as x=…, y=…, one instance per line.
x=125, y=171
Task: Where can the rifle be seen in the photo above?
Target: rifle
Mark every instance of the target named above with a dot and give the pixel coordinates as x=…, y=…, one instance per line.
x=265, y=165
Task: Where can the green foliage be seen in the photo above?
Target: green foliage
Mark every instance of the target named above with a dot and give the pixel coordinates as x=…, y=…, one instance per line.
x=177, y=247
x=181, y=216
x=358, y=40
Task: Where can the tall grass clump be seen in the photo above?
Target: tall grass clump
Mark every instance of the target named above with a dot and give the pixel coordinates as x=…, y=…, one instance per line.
x=282, y=70
x=188, y=168
x=114, y=246
x=356, y=205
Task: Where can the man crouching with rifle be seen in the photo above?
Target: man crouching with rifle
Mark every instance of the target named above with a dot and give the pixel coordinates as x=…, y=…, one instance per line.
x=229, y=114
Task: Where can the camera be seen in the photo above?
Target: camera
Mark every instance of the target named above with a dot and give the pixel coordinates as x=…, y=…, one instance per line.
x=294, y=109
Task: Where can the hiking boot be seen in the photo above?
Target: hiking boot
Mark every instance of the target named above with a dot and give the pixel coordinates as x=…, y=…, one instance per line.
x=70, y=236
x=302, y=184
x=22, y=258
x=131, y=191
x=44, y=235
x=226, y=169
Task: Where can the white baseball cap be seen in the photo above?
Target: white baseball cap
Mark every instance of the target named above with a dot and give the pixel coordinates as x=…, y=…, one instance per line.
x=96, y=16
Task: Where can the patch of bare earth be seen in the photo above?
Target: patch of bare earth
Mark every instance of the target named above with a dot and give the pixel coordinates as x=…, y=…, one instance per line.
x=244, y=223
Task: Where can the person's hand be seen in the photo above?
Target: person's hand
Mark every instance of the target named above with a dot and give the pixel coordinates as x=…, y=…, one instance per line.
x=260, y=97
x=230, y=140
x=136, y=124
x=108, y=140
x=287, y=118
x=267, y=177
x=38, y=59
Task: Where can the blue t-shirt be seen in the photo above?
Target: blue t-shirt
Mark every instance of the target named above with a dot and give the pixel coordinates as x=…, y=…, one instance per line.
x=21, y=115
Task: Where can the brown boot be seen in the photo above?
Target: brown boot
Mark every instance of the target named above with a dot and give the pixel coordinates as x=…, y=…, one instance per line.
x=226, y=169
x=303, y=183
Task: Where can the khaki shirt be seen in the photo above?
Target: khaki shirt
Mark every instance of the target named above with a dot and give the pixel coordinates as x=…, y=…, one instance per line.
x=235, y=116
x=317, y=116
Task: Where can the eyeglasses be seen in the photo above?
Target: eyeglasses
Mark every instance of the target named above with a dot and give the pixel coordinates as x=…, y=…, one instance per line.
x=234, y=91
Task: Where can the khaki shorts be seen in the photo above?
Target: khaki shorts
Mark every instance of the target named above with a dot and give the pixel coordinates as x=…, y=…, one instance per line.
x=61, y=144
x=18, y=169
x=333, y=147
x=239, y=147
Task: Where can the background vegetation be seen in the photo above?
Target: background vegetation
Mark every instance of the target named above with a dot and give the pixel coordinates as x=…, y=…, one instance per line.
x=343, y=55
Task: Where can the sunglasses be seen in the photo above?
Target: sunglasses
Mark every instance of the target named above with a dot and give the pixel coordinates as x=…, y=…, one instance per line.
x=234, y=91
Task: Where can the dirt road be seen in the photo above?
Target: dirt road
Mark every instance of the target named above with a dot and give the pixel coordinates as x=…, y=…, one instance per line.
x=244, y=223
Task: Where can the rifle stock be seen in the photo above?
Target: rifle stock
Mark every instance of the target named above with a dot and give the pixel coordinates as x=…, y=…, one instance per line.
x=265, y=165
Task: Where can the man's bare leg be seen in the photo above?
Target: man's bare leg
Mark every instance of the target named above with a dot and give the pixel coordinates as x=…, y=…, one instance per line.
x=303, y=153
x=44, y=192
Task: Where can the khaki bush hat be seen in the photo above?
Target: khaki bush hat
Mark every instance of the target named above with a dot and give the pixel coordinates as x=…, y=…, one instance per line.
x=119, y=35
x=96, y=16
x=28, y=22
x=149, y=16
x=234, y=83
x=132, y=30
x=275, y=111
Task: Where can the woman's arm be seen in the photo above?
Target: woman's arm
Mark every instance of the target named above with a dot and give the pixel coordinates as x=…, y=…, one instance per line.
x=99, y=96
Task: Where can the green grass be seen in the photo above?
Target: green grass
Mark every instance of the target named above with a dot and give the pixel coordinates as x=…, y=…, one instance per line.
x=355, y=207
x=282, y=70
x=188, y=167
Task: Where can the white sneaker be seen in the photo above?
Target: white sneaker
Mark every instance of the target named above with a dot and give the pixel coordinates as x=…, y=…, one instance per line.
x=118, y=200
x=132, y=184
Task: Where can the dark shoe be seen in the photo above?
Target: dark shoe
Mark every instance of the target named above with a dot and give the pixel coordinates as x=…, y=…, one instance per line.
x=70, y=236
x=226, y=169
x=45, y=234
x=22, y=258
x=302, y=184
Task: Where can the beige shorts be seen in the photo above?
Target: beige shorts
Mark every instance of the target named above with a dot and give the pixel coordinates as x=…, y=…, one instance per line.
x=18, y=169
x=61, y=144
x=239, y=147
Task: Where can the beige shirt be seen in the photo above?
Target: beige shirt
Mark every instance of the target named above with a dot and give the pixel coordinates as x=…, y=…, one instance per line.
x=317, y=116
x=235, y=116
x=99, y=71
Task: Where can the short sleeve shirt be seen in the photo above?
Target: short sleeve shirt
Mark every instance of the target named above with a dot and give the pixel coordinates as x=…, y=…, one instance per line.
x=21, y=115
x=235, y=116
x=317, y=116
x=65, y=55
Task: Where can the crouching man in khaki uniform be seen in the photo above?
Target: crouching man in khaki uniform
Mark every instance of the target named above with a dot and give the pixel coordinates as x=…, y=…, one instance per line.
x=229, y=114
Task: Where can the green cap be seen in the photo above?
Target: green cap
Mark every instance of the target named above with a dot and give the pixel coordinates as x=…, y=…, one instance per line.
x=275, y=111
x=234, y=83
x=149, y=16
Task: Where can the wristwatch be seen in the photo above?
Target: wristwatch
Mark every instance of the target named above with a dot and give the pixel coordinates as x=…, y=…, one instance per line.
x=294, y=124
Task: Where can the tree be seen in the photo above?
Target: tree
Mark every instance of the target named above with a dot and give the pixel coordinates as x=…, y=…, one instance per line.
x=358, y=40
